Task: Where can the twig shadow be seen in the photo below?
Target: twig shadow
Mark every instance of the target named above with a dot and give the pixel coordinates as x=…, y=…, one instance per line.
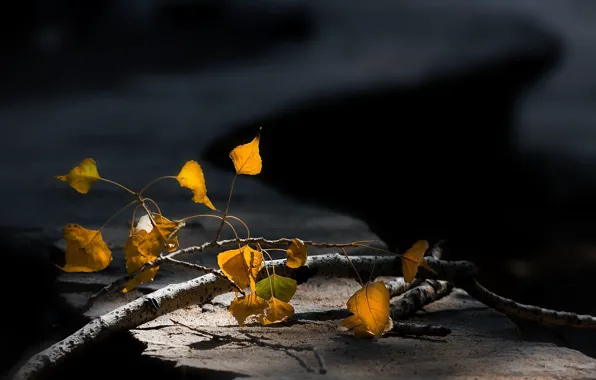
x=208, y=344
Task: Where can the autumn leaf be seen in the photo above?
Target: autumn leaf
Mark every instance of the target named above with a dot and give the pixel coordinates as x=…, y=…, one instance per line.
x=145, y=244
x=246, y=158
x=370, y=309
x=283, y=288
x=167, y=231
x=85, y=250
x=278, y=311
x=412, y=259
x=243, y=307
x=81, y=177
x=241, y=265
x=296, y=254
x=191, y=176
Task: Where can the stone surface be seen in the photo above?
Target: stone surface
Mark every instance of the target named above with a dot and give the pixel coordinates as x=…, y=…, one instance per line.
x=483, y=344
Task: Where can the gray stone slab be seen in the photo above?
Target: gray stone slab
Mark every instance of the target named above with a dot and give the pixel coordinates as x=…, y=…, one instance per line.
x=483, y=344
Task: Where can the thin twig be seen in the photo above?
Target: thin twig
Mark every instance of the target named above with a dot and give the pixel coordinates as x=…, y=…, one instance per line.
x=251, y=339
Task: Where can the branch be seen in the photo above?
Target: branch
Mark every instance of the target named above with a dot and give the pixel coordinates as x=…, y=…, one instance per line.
x=172, y=297
x=197, y=291
x=337, y=265
x=415, y=299
x=527, y=312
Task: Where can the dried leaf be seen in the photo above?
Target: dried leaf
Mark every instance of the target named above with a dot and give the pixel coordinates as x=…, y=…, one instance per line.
x=283, y=288
x=241, y=265
x=412, y=259
x=191, y=176
x=81, y=177
x=85, y=250
x=278, y=311
x=145, y=244
x=296, y=254
x=168, y=231
x=246, y=158
x=243, y=307
x=370, y=309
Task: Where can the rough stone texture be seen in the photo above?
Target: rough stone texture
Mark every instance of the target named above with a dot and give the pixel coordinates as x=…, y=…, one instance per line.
x=483, y=344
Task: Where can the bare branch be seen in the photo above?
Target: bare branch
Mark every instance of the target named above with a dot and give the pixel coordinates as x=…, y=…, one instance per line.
x=172, y=297
x=528, y=312
x=414, y=299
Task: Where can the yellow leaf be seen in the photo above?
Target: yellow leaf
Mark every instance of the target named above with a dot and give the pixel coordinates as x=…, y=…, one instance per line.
x=246, y=158
x=296, y=254
x=191, y=176
x=370, y=309
x=412, y=259
x=167, y=231
x=81, y=177
x=278, y=311
x=85, y=250
x=145, y=244
x=243, y=307
x=355, y=324
x=241, y=265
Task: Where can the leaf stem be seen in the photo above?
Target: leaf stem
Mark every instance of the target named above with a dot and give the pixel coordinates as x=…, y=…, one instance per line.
x=272, y=270
x=352, y=264
x=155, y=180
x=217, y=235
x=111, y=218
x=119, y=185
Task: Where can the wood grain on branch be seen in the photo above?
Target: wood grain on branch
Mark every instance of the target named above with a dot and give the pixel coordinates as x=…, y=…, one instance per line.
x=414, y=299
x=527, y=312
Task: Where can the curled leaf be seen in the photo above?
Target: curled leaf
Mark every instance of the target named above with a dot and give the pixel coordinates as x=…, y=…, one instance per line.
x=85, y=250
x=296, y=254
x=243, y=307
x=282, y=288
x=191, y=176
x=82, y=176
x=241, y=265
x=370, y=309
x=412, y=259
x=278, y=311
x=145, y=244
x=246, y=158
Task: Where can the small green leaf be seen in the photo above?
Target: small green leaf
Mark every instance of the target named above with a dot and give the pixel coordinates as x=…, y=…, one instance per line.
x=283, y=288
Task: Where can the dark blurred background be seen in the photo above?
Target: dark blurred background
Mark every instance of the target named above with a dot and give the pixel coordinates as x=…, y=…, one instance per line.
x=469, y=121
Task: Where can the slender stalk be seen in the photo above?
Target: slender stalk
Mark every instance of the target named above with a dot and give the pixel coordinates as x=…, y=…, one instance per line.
x=155, y=180
x=119, y=185
x=218, y=234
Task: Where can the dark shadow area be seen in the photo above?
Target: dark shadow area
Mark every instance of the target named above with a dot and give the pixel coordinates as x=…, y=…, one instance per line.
x=63, y=46
x=119, y=357
x=432, y=160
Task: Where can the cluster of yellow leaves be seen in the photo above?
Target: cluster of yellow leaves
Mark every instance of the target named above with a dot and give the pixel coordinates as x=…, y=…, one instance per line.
x=145, y=243
x=269, y=298
x=86, y=250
